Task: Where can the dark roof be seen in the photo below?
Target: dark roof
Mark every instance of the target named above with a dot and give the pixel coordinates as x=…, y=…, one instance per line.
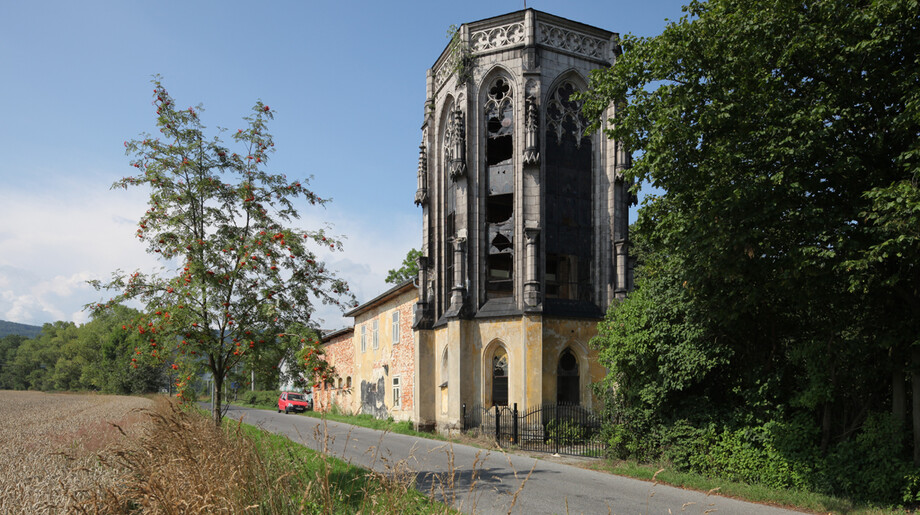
x=383, y=297
x=328, y=335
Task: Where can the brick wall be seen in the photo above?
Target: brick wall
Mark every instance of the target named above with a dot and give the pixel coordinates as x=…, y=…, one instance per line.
x=340, y=354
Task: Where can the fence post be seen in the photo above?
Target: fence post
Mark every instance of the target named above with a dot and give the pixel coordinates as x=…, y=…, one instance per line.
x=498, y=425
x=514, y=425
x=556, y=430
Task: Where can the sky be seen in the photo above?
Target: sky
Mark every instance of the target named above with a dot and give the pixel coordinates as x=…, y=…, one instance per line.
x=345, y=80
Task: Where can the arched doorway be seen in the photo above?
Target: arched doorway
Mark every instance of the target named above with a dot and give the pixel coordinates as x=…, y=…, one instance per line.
x=500, y=377
x=567, y=381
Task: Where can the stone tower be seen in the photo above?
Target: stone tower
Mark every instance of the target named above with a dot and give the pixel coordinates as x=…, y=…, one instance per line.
x=525, y=226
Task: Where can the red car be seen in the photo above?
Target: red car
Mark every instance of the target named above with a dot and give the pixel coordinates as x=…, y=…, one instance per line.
x=293, y=401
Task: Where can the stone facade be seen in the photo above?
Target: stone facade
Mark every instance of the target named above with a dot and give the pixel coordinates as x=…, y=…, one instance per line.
x=525, y=234
x=525, y=218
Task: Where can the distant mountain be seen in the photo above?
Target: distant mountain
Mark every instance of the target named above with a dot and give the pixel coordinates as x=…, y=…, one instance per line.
x=29, y=331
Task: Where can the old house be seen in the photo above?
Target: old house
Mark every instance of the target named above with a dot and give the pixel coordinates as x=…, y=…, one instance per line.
x=524, y=238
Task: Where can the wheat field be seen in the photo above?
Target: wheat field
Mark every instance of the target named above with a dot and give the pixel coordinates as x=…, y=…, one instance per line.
x=52, y=446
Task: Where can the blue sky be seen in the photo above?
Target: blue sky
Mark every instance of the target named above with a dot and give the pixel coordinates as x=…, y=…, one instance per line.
x=346, y=81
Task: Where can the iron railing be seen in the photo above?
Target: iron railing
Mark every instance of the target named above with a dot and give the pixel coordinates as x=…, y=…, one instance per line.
x=551, y=427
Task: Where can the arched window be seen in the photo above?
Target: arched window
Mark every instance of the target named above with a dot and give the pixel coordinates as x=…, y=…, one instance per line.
x=569, y=232
x=499, y=120
x=500, y=377
x=567, y=383
x=450, y=135
x=444, y=375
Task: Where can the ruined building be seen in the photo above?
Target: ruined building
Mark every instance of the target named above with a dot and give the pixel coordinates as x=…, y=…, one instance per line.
x=525, y=238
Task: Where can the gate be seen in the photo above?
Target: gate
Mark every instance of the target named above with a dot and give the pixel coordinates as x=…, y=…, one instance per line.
x=551, y=427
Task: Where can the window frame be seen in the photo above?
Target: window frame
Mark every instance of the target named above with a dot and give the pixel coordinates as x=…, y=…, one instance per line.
x=395, y=321
x=396, y=386
x=364, y=338
x=375, y=339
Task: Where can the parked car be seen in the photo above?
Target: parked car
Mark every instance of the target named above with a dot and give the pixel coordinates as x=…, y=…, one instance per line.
x=293, y=401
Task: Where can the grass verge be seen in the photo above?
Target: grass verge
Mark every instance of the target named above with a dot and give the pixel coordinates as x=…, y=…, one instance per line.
x=793, y=499
x=368, y=421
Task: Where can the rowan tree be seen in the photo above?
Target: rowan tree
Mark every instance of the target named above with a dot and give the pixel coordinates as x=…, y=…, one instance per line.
x=236, y=271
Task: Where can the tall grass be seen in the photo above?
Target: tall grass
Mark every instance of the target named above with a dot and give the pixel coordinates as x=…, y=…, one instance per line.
x=183, y=464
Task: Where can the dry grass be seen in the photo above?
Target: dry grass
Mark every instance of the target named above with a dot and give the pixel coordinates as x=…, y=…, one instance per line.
x=183, y=464
x=106, y=454
x=51, y=445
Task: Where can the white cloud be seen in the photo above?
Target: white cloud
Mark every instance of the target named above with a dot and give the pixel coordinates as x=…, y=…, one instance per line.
x=62, y=237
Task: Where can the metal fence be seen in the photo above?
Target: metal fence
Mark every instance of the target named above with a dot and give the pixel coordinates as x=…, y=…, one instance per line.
x=556, y=428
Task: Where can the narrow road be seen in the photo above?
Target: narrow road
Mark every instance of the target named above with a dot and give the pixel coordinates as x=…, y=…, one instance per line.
x=486, y=481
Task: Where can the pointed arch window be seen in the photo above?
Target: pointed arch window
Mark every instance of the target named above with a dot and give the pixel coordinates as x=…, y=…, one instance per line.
x=451, y=137
x=569, y=184
x=500, y=378
x=568, y=387
x=499, y=129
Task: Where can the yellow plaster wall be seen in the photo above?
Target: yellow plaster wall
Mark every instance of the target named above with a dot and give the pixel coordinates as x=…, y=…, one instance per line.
x=559, y=333
x=426, y=367
x=533, y=344
x=387, y=360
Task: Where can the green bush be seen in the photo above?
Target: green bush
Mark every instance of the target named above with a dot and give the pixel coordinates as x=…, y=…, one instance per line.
x=564, y=431
x=869, y=466
x=260, y=397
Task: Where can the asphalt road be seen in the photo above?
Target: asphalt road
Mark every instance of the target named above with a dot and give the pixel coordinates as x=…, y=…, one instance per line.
x=491, y=481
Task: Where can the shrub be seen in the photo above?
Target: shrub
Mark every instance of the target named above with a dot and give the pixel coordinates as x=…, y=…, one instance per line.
x=871, y=465
x=260, y=397
x=564, y=431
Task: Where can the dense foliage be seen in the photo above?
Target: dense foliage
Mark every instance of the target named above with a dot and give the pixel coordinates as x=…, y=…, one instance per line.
x=97, y=356
x=777, y=315
x=236, y=274
x=408, y=270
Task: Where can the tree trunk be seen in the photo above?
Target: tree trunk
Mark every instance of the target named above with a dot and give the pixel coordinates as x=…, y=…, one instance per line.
x=915, y=399
x=898, y=394
x=825, y=428
x=216, y=414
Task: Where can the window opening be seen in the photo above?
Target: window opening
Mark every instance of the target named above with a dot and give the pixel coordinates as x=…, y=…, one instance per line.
x=500, y=378
x=569, y=230
x=567, y=381
x=396, y=392
x=499, y=116
x=450, y=208
x=374, y=339
x=396, y=327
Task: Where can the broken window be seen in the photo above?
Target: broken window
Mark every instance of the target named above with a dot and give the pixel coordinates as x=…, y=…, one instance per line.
x=450, y=212
x=569, y=232
x=500, y=378
x=499, y=208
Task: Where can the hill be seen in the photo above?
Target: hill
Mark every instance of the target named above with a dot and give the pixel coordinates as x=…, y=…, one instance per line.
x=29, y=331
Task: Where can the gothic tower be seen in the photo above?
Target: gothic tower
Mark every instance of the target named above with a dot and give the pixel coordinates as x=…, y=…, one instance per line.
x=525, y=238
